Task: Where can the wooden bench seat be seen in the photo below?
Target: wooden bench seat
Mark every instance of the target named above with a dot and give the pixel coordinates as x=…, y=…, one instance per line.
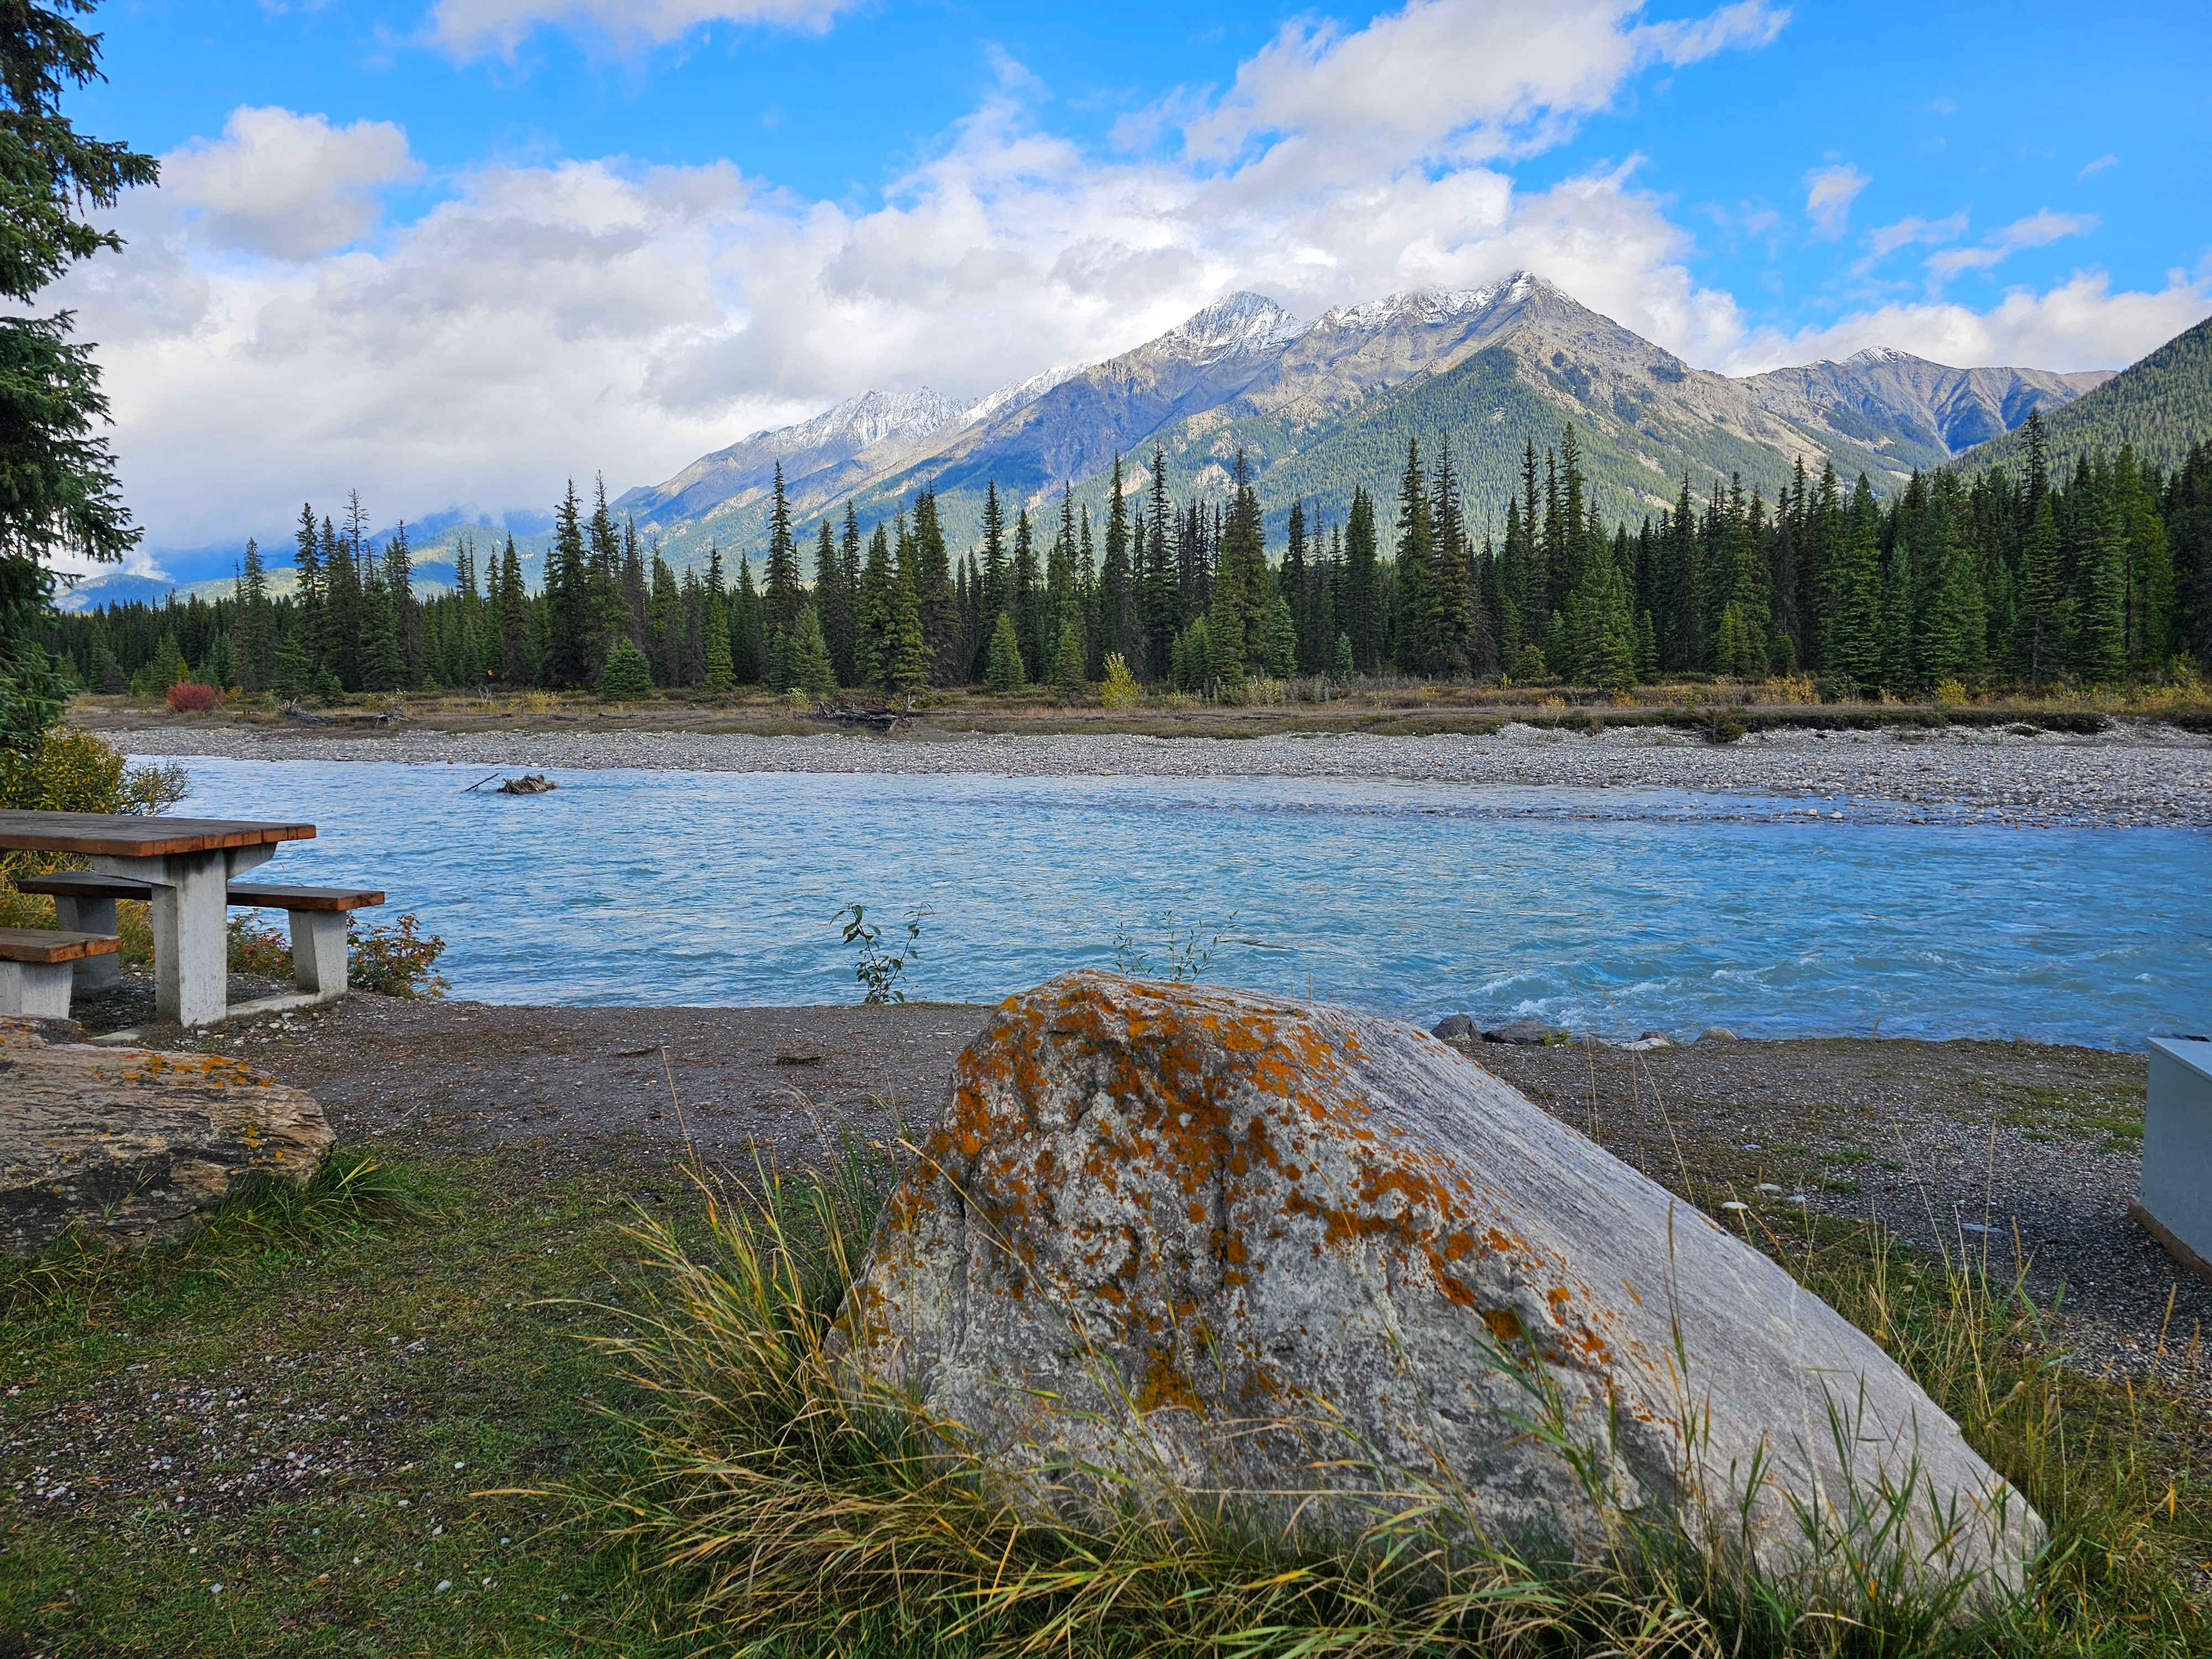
x=85, y=899
x=38, y=966
x=263, y=898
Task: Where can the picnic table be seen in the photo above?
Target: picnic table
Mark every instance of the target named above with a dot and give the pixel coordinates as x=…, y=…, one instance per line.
x=187, y=863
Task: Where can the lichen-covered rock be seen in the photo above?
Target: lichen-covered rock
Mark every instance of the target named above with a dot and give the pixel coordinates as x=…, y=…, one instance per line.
x=1272, y=1250
x=130, y=1145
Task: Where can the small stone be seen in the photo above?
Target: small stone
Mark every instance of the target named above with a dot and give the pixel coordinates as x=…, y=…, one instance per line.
x=444, y=1585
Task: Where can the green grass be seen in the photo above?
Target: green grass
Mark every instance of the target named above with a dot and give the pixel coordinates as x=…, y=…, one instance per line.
x=2116, y=1116
x=404, y=1309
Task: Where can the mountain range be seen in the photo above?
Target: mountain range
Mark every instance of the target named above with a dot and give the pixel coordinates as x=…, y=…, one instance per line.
x=1323, y=406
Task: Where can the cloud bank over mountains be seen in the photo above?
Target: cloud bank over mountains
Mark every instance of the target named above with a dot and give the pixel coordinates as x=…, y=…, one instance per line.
x=273, y=333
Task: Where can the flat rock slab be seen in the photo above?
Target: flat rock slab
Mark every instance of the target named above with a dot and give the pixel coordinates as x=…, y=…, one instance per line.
x=1281, y=1253
x=130, y=1145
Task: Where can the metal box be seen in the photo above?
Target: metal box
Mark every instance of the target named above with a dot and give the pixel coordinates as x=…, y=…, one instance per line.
x=2176, y=1208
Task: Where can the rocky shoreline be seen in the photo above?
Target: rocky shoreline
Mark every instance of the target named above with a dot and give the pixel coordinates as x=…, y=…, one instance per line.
x=2138, y=774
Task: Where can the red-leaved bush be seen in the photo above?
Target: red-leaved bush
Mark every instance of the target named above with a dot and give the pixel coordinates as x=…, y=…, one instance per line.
x=189, y=698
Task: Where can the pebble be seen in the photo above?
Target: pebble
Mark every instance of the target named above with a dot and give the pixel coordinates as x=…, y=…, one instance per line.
x=2138, y=773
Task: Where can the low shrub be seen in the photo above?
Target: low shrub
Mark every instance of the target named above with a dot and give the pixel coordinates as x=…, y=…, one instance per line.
x=190, y=698
x=389, y=959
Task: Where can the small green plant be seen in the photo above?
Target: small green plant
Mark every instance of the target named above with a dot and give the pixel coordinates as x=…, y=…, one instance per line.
x=1188, y=953
x=879, y=969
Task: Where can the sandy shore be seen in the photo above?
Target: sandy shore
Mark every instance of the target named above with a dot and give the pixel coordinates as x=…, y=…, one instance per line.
x=2137, y=773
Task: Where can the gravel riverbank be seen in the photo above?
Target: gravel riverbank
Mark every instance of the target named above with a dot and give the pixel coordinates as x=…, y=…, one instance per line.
x=2137, y=773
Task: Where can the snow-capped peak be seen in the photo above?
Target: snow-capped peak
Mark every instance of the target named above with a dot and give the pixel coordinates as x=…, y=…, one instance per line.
x=1429, y=304
x=1239, y=322
x=1018, y=393
x=1881, y=355
x=872, y=417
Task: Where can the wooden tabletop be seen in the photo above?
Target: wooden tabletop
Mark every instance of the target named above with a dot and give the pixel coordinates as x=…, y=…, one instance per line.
x=123, y=835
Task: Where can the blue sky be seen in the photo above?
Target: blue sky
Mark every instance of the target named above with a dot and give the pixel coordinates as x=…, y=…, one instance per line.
x=453, y=251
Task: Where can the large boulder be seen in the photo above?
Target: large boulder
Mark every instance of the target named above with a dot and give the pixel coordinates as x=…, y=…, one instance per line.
x=128, y=1145
x=1289, y=1253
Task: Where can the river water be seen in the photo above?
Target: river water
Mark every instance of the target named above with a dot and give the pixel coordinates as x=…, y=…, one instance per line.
x=1603, y=910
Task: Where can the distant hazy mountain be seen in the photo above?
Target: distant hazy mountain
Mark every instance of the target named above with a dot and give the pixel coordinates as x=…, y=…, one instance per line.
x=2162, y=405
x=1913, y=404
x=1321, y=407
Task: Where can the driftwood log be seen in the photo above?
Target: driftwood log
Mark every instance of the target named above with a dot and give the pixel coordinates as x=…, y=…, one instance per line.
x=533, y=783
x=879, y=719
x=130, y=1146
x=292, y=711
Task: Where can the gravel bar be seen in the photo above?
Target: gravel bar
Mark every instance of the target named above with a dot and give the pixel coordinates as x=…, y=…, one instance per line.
x=2137, y=774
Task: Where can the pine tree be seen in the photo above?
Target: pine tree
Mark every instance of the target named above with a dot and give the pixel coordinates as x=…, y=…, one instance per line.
x=1851, y=607
x=568, y=658
x=812, y=671
x=628, y=675
x=1117, y=608
x=871, y=645
x=664, y=622
x=1363, y=619
x=1003, y=670
x=747, y=629
x=256, y=623
x=907, y=660
x=832, y=606
x=933, y=582
x=406, y=611
x=637, y=602
x=518, y=663
x=1071, y=664
x=341, y=620
x=2100, y=651
x=382, y=668
x=720, y=674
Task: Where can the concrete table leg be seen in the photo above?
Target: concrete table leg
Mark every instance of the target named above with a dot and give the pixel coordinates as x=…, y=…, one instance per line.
x=38, y=990
x=191, y=947
x=90, y=915
x=319, y=952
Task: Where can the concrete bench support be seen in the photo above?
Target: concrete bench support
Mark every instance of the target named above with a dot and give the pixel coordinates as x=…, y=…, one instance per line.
x=36, y=967
x=90, y=915
x=319, y=952
x=2176, y=1208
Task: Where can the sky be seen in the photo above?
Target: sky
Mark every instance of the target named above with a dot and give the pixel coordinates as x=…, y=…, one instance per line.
x=454, y=252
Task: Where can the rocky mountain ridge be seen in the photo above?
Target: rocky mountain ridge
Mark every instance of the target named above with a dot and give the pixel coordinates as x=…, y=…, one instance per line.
x=1318, y=405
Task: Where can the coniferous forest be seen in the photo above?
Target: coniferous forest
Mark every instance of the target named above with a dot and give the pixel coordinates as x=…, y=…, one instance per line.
x=2014, y=578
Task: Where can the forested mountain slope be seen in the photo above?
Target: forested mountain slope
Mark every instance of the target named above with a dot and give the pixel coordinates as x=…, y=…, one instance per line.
x=2161, y=405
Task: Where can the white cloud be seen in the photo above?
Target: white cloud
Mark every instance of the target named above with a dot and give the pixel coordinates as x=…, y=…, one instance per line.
x=2037, y=230
x=290, y=185
x=1885, y=240
x=1829, y=193
x=469, y=28
x=2079, y=323
x=2097, y=166
x=1451, y=79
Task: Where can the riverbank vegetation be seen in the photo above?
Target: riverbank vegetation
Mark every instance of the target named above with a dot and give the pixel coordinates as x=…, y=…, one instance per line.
x=1948, y=591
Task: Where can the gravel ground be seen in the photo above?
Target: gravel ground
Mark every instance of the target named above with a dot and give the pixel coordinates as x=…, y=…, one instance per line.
x=1960, y=1146
x=2139, y=772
